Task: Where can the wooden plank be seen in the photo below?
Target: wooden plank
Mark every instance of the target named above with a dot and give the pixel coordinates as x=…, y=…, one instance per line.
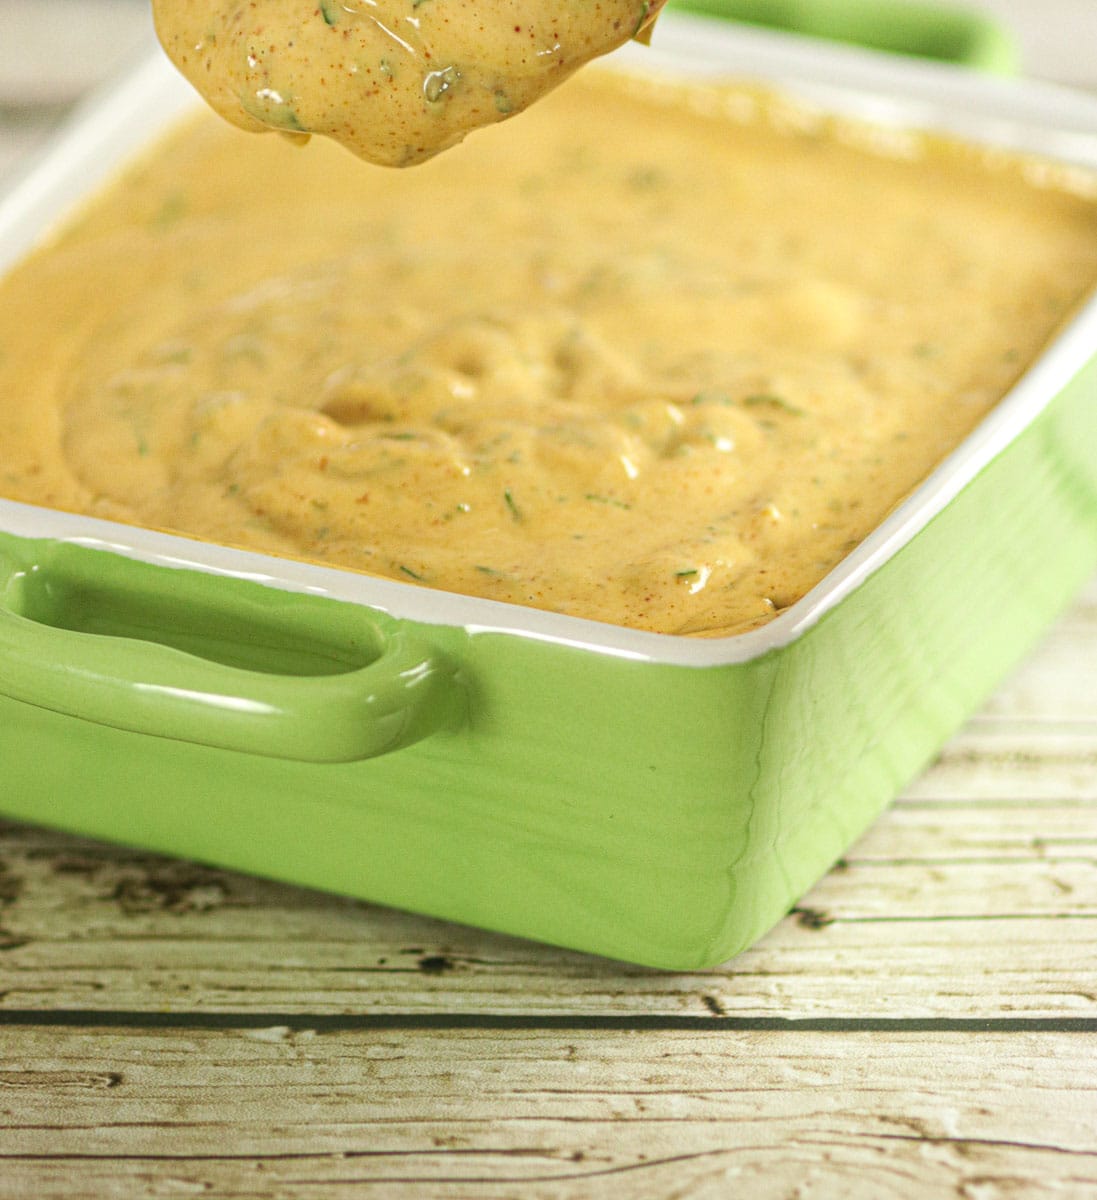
x=1011, y=761
x=988, y=969
x=276, y=1112
x=1054, y=685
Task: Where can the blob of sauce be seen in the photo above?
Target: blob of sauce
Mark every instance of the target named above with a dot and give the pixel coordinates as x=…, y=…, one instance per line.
x=394, y=81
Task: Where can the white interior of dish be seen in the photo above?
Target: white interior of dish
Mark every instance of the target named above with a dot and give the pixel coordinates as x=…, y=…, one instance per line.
x=892, y=92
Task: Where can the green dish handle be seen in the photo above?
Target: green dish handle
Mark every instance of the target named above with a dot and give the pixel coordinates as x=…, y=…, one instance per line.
x=340, y=711
x=941, y=32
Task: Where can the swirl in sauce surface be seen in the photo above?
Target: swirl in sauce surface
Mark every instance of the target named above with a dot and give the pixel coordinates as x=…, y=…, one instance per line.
x=665, y=381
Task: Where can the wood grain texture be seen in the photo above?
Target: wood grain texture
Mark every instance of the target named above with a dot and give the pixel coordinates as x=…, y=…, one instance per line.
x=272, y=1112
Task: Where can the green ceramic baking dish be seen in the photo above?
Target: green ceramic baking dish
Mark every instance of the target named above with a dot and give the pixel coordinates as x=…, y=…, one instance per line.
x=653, y=798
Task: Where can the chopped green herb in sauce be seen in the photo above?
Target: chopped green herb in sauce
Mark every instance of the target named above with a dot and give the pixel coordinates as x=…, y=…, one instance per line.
x=511, y=504
x=768, y=400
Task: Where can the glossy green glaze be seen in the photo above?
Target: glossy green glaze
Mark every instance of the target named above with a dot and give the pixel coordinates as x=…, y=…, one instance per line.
x=945, y=33
x=658, y=813
x=166, y=658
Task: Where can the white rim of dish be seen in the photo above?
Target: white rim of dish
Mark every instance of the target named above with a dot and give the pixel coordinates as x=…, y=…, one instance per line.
x=885, y=90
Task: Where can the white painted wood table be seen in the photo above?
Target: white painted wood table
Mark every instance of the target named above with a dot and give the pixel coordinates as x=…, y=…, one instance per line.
x=924, y=1024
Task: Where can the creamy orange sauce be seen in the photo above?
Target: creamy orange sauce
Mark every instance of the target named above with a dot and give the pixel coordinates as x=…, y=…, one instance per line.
x=653, y=355
x=395, y=81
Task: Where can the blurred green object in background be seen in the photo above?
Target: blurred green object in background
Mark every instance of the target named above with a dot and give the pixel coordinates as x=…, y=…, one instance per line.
x=933, y=31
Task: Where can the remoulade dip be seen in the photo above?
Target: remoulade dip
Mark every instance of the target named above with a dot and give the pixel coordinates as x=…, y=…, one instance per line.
x=656, y=354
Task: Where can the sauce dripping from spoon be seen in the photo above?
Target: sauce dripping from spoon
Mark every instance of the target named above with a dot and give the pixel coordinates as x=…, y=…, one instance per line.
x=394, y=81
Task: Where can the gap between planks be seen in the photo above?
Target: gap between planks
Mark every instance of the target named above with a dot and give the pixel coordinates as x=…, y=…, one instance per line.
x=292, y=1022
